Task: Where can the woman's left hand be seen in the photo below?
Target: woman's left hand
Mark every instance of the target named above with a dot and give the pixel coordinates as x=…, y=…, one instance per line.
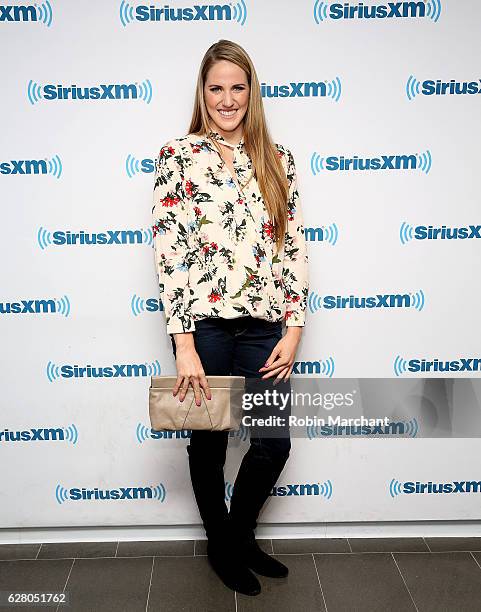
x=281, y=360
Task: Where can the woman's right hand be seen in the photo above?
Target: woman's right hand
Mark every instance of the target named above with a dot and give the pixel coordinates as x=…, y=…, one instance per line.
x=189, y=369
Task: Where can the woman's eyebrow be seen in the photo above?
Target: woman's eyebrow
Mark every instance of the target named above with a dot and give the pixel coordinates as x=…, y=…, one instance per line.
x=235, y=85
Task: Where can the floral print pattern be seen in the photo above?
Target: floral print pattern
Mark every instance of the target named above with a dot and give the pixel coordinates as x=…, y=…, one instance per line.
x=213, y=243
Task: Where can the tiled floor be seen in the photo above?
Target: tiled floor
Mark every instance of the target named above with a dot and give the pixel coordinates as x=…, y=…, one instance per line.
x=352, y=575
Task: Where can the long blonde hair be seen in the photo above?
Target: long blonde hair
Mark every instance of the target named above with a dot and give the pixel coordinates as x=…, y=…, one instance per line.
x=266, y=164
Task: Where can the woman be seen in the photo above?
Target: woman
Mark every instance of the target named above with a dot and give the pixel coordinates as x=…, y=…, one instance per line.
x=231, y=257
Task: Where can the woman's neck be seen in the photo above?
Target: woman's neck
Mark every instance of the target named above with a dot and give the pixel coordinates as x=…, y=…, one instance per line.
x=233, y=137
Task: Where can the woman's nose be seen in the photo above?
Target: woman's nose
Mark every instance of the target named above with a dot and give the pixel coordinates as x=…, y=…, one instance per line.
x=228, y=100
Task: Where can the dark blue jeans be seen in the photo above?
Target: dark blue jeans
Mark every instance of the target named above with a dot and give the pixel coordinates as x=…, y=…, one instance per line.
x=236, y=347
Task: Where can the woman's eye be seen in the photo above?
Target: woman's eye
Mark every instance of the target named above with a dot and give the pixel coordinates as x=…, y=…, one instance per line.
x=214, y=89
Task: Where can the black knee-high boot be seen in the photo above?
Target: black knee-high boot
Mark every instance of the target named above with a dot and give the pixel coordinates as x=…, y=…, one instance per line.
x=207, y=453
x=206, y=464
x=258, y=473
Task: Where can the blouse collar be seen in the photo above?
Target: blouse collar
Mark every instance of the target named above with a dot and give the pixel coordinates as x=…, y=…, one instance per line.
x=214, y=134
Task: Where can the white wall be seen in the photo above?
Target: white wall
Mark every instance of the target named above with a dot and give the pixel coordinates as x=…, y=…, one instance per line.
x=91, y=320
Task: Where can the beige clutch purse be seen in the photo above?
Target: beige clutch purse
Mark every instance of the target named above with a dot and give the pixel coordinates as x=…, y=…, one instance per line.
x=222, y=412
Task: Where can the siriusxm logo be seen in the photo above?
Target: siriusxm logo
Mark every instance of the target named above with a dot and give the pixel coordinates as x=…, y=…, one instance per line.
x=325, y=233
x=396, y=488
x=37, y=13
x=135, y=166
x=62, y=494
x=409, y=232
x=195, y=12
x=46, y=238
x=333, y=163
x=51, y=306
x=290, y=490
x=139, y=305
x=394, y=428
x=387, y=300
x=324, y=10
x=430, y=87
x=113, y=91
x=33, y=166
x=323, y=489
x=45, y=434
x=468, y=364
x=313, y=89
x=123, y=370
x=323, y=367
x=143, y=433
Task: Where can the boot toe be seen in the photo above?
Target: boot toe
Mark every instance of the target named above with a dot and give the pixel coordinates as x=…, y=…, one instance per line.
x=233, y=572
x=262, y=563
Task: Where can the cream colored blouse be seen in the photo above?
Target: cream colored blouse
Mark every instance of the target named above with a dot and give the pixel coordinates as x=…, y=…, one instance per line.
x=213, y=244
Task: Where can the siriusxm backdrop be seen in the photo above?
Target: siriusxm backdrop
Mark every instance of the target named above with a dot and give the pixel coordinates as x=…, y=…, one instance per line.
x=380, y=103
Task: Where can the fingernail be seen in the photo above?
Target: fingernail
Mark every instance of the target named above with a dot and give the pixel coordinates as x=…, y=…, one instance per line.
x=266, y=364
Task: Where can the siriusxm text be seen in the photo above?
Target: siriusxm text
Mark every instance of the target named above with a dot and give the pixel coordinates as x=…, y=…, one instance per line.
x=462, y=486
x=383, y=162
x=197, y=12
x=444, y=365
x=429, y=232
x=431, y=87
x=388, y=10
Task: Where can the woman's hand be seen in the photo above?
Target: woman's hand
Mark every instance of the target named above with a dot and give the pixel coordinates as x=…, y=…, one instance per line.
x=189, y=369
x=281, y=359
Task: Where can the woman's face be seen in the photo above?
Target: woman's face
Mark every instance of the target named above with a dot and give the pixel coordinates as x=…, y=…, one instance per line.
x=226, y=94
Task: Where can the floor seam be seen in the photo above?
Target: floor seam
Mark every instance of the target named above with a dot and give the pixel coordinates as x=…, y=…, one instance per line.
x=475, y=560
x=66, y=582
x=319, y=581
x=318, y=552
x=405, y=584
x=150, y=583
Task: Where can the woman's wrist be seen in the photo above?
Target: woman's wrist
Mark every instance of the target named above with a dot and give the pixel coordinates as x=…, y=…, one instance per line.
x=184, y=340
x=294, y=330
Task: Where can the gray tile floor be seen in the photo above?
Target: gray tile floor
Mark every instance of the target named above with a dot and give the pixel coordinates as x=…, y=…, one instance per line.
x=352, y=575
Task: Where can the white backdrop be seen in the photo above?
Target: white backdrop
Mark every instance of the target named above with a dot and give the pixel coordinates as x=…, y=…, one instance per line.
x=78, y=282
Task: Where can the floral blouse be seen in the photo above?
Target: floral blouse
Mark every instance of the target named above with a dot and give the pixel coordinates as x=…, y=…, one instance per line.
x=213, y=244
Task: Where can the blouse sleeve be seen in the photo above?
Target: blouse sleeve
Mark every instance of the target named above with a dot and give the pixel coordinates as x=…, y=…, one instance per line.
x=170, y=236
x=295, y=270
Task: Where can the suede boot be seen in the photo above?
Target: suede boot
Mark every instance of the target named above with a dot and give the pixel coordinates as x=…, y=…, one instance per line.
x=254, y=557
x=231, y=568
x=206, y=469
x=259, y=470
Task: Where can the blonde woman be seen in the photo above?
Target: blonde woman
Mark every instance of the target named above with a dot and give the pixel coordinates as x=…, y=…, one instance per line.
x=232, y=264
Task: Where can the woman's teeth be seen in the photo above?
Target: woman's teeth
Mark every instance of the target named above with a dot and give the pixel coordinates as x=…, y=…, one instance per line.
x=228, y=113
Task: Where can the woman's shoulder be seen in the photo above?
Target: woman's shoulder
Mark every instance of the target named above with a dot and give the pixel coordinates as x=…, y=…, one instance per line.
x=185, y=144
x=174, y=144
